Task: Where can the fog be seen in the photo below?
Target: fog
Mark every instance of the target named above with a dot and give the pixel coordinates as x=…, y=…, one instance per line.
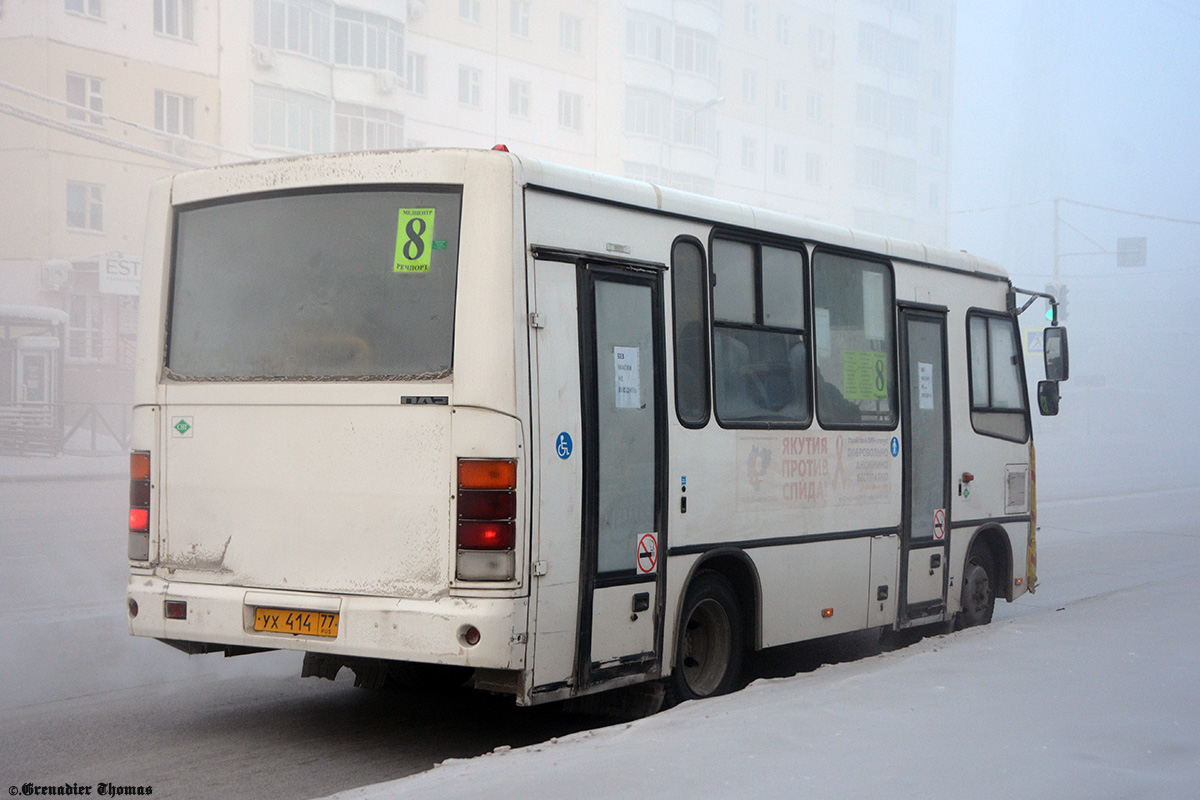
x=1092, y=104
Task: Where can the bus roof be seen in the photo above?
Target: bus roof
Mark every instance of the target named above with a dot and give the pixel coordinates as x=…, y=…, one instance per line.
x=642, y=194
x=381, y=166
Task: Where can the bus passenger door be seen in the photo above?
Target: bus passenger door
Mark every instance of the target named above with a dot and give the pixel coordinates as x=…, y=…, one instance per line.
x=925, y=539
x=600, y=457
x=623, y=460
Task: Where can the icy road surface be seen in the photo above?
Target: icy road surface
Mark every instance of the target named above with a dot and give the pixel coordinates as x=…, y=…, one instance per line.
x=1086, y=690
x=1095, y=700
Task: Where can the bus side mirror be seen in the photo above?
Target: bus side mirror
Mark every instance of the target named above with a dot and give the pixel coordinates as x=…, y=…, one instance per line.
x=1054, y=345
x=1048, y=398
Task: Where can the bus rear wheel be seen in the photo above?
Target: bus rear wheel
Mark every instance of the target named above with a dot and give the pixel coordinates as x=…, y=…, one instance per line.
x=708, y=648
x=979, y=590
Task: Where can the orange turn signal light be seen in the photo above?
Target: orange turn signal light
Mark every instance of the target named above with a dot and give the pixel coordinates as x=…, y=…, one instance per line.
x=491, y=474
x=139, y=466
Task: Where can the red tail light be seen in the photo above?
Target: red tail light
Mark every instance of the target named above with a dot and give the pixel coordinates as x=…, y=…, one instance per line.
x=485, y=535
x=487, y=510
x=139, y=505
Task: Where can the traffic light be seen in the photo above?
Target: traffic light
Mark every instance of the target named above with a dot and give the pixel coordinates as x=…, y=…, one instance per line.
x=1059, y=292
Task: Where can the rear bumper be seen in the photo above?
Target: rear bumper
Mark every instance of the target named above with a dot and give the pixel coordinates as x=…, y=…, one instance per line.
x=369, y=627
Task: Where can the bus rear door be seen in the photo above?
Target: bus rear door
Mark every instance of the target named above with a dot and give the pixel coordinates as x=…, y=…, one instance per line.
x=600, y=452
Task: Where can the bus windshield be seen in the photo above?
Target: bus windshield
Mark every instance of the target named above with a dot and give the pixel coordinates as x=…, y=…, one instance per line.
x=342, y=285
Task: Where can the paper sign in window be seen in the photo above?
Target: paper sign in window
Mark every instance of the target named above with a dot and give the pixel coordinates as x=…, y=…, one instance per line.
x=627, y=378
x=925, y=385
x=864, y=375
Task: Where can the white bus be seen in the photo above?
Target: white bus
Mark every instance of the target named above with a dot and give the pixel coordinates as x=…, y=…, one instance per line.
x=466, y=411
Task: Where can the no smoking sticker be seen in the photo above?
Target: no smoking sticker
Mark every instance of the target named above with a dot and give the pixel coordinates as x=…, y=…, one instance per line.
x=939, y=524
x=647, y=553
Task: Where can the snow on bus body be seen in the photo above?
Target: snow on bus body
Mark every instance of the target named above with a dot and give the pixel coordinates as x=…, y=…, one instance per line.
x=335, y=497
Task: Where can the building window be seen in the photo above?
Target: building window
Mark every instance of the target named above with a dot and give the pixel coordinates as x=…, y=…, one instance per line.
x=366, y=128
x=935, y=141
x=781, y=95
x=877, y=109
x=749, y=153
x=781, y=30
x=287, y=120
x=296, y=26
x=173, y=18
x=570, y=32
x=646, y=113
x=813, y=168
x=879, y=47
x=518, y=18
x=414, y=73
x=815, y=105
x=87, y=93
x=877, y=169
x=693, y=125
x=570, y=110
x=363, y=39
x=749, y=87
x=935, y=197
x=646, y=37
x=750, y=19
x=174, y=113
x=469, y=81
x=468, y=11
x=85, y=328
x=779, y=162
x=85, y=207
x=695, y=52
x=89, y=8
x=518, y=98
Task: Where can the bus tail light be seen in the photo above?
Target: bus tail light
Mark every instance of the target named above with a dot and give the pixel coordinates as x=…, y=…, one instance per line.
x=139, y=506
x=487, y=506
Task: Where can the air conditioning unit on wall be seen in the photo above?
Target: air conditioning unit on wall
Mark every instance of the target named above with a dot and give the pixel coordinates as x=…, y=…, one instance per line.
x=264, y=57
x=385, y=81
x=55, y=274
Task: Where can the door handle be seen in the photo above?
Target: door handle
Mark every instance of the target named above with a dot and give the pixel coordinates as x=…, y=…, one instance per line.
x=935, y=561
x=641, y=602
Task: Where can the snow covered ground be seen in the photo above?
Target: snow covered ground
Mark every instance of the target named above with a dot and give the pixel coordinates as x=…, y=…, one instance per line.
x=1086, y=690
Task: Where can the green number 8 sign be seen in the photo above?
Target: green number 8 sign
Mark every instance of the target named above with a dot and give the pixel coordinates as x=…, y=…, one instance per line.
x=414, y=235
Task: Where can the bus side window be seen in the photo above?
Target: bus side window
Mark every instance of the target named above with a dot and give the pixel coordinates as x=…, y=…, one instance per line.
x=998, y=406
x=854, y=299
x=760, y=344
x=690, y=300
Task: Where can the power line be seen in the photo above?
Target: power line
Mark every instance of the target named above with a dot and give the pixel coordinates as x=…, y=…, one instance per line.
x=186, y=140
x=1081, y=204
x=75, y=130
x=1132, y=213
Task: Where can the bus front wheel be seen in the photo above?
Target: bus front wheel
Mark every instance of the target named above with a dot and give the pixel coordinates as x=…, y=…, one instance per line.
x=978, y=591
x=708, y=647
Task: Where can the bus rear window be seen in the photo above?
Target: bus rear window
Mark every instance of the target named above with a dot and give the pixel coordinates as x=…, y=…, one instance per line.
x=350, y=285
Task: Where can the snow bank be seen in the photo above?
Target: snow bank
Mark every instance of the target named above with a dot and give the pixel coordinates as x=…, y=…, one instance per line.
x=1081, y=692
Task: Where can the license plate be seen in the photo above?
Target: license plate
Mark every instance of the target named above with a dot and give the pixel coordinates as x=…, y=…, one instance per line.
x=303, y=623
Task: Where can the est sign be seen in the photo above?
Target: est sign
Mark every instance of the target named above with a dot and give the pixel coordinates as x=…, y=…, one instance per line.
x=120, y=274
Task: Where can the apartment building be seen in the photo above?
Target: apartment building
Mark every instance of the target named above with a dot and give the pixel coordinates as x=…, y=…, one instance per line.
x=835, y=110
x=98, y=99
